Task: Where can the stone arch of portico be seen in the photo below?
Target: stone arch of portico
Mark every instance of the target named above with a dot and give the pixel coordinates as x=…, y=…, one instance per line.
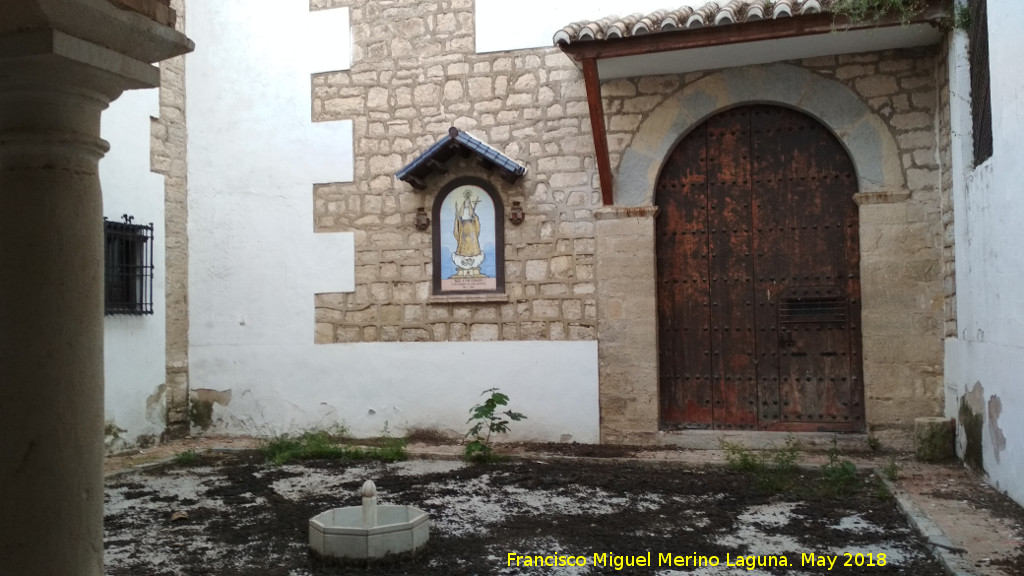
x=863, y=134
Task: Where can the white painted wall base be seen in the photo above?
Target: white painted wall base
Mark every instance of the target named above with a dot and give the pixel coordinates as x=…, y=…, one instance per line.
x=996, y=368
x=134, y=346
x=366, y=387
x=989, y=259
x=255, y=262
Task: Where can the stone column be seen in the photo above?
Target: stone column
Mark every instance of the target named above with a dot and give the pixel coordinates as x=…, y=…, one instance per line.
x=51, y=311
x=627, y=323
x=58, y=72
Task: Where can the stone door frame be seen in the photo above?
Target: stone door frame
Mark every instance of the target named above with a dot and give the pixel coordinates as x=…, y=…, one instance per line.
x=625, y=254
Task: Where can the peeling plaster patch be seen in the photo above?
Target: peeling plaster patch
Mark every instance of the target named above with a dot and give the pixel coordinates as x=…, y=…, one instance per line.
x=112, y=438
x=995, y=408
x=971, y=420
x=156, y=405
x=201, y=401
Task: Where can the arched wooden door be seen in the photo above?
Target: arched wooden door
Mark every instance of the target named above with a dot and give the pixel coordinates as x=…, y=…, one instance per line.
x=758, y=277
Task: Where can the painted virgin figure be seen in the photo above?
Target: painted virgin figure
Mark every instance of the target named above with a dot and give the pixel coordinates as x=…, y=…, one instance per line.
x=467, y=257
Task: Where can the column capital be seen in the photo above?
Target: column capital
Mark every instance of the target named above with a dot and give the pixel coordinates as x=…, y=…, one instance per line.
x=97, y=37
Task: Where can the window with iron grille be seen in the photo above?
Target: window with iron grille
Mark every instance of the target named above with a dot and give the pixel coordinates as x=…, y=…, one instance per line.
x=981, y=100
x=129, y=267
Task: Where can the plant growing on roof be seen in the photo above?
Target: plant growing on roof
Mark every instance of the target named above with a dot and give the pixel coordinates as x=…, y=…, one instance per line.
x=865, y=10
x=486, y=417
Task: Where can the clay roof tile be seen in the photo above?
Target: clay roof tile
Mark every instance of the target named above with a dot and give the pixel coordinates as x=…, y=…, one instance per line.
x=710, y=14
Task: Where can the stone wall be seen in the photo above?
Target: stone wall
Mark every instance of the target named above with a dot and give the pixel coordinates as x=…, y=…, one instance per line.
x=901, y=248
x=901, y=245
x=627, y=312
x=945, y=146
x=414, y=75
x=168, y=156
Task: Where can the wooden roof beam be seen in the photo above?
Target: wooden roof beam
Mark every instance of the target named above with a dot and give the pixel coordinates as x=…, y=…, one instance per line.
x=592, y=81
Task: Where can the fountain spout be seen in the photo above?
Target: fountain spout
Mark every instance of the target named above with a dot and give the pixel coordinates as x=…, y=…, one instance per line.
x=369, y=492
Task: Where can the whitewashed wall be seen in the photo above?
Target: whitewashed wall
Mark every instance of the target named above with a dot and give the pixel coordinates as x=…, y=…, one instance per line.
x=371, y=387
x=134, y=345
x=255, y=263
x=989, y=210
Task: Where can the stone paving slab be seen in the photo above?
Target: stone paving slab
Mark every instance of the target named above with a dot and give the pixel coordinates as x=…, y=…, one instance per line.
x=978, y=523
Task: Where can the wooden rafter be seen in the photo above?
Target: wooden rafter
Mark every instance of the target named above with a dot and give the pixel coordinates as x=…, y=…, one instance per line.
x=592, y=80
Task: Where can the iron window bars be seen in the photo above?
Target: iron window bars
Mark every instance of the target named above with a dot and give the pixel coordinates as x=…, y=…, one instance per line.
x=981, y=90
x=128, y=251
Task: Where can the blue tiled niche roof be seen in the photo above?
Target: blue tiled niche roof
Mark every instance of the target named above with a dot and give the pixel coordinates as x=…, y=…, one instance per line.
x=461, y=143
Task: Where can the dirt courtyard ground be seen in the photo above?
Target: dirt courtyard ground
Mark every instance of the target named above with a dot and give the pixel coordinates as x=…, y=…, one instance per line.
x=232, y=514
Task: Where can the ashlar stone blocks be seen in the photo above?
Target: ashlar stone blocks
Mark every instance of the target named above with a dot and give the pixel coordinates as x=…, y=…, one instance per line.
x=577, y=270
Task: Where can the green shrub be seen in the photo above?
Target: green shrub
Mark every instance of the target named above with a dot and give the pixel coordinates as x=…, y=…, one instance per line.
x=486, y=417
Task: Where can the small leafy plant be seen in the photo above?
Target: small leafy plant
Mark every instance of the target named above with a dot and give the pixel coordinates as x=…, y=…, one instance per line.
x=187, y=458
x=838, y=476
x=891, y=471
x=487, y=418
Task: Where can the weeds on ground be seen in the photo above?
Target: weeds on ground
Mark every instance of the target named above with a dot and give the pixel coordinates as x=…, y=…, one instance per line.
x=187, y=458
x=774, y=469
x=486, y=417
x=777, y=469
x=333, y=444
x=891, y=471
x=838, y=476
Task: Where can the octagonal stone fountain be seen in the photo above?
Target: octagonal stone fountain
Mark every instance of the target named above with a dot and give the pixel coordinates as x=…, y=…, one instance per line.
x=369, y=531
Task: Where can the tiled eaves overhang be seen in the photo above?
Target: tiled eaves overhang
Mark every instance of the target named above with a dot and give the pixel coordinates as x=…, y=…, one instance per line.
x=457, y=142
x=715, y=36
x=685, y=17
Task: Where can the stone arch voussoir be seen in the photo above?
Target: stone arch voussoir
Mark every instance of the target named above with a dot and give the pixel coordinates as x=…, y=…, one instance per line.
x=864, y=135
